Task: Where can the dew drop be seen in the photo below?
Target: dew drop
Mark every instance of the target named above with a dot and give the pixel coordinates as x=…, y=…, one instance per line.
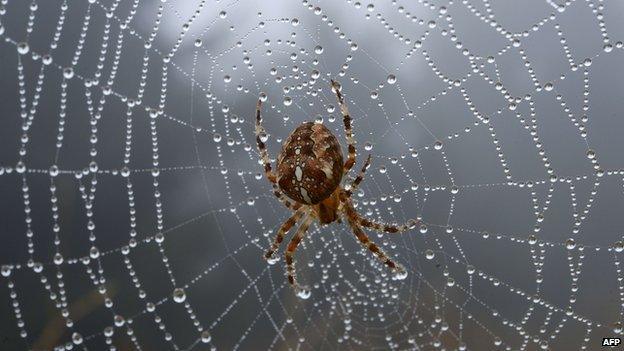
x=206, y=337
x=68, y=72
x=570, y=244
x=304, y=293
x=179, y=295
x=429, y=254
x=23, y=48
x=400, y=274
x=77, y=338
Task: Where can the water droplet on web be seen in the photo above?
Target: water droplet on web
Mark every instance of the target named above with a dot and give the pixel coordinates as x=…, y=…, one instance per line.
x=5, y=270
x=304, y=293
x=532, y=239
x=58, y=259
x=227, y=78
x=119, y=321
x=618, y=246
x=94, y=253
x=438, y=145
x=318, y=49
x=206, y=337
x=374, y=95
x=400, y=274
x=591, y=154
x=294, y=22
x=429, y=254
x=77, y=338
x=179, y=295
x=68, y=72
x=198, y=42
x=570, y=244
x=264, y=137
x=287, y=101
x=222, y=14
x=272, y=260
x=23, y=48
x=391, y=79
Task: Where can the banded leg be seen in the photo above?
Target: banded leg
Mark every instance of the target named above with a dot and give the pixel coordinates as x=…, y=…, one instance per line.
x=283, y=229
x=264, y=154
x=380, y=227
x=346, y=118
x=262, y=146
x=290, y=252
x=372, y=247
x=356, y=182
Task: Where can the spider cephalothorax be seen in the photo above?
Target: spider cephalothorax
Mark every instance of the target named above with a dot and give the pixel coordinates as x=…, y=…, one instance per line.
x=309, y=171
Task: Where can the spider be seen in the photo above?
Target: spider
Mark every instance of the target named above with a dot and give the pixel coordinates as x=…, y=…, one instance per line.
x=310, y=168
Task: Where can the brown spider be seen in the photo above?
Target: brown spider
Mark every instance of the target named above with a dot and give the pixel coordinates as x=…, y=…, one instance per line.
x=309, y=170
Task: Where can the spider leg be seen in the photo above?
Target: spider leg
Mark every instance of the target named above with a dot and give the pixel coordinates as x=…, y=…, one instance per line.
x=283, y=229
x=346, y=118
x=356, y=182
x=371, y=246
x=367, y=223
x=290, y=252
x=264, y=154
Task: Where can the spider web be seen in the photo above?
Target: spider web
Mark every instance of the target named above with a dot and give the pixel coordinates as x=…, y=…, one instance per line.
x=135, y=214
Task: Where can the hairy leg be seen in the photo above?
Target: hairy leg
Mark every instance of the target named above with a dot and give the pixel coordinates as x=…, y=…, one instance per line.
x=264, y=154
x=367, y=223
x=346, y=118
x=372, y=247
x=290, y=252
x=284, y=228
x=356, y=182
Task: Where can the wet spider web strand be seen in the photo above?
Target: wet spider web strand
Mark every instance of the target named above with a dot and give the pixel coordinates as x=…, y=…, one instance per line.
x=87, y=181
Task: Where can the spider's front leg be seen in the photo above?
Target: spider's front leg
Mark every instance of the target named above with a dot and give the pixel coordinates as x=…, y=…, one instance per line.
x=346, y=118
x=264, y=154
x=356, y=182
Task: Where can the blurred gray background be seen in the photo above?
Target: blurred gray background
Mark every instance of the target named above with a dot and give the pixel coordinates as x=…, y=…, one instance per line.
x=133, y=214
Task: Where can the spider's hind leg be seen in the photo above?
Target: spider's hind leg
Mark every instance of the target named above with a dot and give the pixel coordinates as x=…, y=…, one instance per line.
x=290, y=252
x=283, y=229
x=367, y=223
x=398, y=269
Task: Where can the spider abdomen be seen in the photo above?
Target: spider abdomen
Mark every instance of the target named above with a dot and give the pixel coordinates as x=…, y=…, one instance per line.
x=310, y=165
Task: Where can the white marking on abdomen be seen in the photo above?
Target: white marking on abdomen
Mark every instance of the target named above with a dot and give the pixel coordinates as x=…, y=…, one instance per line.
x=304, y=193
x=298, y=173
x=328, y=171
